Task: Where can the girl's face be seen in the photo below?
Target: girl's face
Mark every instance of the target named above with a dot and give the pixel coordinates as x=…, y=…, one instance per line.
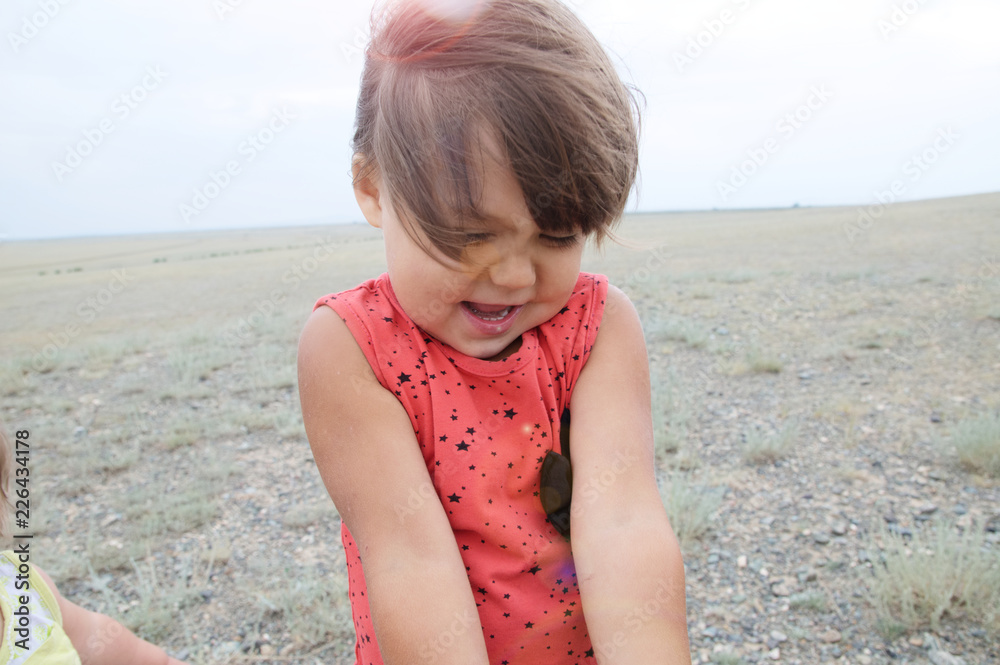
x=510, y=278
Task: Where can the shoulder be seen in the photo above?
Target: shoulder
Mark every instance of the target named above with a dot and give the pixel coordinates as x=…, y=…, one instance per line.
x=330, y=361
x=619, y=322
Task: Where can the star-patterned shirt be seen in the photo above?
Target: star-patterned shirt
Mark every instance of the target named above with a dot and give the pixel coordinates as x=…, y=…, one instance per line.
x=484, y=428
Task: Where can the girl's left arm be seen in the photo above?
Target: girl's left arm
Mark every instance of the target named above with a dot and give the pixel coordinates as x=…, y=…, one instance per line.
x=627, y=558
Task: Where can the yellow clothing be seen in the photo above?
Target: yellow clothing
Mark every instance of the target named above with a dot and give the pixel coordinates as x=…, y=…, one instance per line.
x=46, y=641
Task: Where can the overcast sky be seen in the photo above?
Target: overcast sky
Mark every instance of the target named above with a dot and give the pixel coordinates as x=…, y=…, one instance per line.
x=122, y=116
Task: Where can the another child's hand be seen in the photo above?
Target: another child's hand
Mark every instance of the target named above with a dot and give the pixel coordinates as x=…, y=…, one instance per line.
x=100, y=640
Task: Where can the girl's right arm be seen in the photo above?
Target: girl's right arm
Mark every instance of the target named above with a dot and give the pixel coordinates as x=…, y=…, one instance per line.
x=371, y=464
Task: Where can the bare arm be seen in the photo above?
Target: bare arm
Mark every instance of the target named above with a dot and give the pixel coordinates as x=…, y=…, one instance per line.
x=100, y=640
x=370, y=461
x=627, y=558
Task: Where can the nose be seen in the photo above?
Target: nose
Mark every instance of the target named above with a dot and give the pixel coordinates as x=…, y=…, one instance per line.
x=512, y=270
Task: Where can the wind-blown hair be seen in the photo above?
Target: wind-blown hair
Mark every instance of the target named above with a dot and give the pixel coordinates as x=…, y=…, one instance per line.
x=529, y=75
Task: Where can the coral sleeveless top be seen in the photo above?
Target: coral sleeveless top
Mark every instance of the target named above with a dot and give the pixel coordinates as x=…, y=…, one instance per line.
x=484, y=428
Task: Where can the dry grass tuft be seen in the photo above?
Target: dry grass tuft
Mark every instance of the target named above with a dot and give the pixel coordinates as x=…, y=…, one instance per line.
x=690, y=507
x=761, y=448
x=938, y=573
x=978, y=444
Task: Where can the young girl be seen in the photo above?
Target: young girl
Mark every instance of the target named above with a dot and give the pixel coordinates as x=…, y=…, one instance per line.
x=493, y=139
x=40, y=627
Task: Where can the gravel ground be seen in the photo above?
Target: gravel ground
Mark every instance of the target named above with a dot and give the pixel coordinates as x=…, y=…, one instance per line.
x=173, y=485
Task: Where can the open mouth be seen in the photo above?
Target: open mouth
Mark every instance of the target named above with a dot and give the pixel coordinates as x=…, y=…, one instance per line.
x=490, y=313
x=491, y=319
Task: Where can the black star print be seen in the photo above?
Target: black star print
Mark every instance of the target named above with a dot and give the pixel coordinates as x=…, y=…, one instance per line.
x=509, y=413
x=472, y=467
x=589, y=653
x=529, y=625
x=568, y=613
x=403, y=378
x=481, y=590
x=534, y=570
x=454, y=498
x=462, y=446
x=470, y=430
x=454, y=417
x=506, y=615
x=387, y=319
x=443, y=437
x=564, y=310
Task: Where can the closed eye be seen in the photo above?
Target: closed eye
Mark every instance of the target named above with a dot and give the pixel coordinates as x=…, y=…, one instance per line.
x=561, y=241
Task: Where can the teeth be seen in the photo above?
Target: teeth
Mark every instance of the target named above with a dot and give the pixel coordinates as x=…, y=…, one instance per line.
x=491, y=316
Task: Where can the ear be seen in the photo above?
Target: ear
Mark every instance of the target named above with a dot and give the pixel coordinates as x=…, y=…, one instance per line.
x=368, y=191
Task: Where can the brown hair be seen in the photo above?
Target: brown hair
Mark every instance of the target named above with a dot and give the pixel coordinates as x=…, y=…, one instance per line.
x=6, y=464
x=530, y=74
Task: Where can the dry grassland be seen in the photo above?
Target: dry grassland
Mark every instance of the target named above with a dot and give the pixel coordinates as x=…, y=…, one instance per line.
x=811, y=391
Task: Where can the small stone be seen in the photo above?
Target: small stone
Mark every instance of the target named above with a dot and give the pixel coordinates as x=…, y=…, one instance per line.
x=778, y=636
x=831, y=636
x=781, y=589
x=944, y=658
x=267, y=650
x=864, y=660
x=739, y=598
x=915, y=640
x=959, y=509
x=774, y=654
x=821, y=538
x=839, y=529
x=927, y=509
x=935, y=417
x=863, y=556
x=713, y=558
x=741, y=561
x=79, y=431
x=722, y=330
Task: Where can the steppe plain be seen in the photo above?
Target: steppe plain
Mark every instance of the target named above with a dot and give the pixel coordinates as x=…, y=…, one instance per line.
x=173, y=487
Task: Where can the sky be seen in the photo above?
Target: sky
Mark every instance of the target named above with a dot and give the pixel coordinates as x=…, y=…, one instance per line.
x=137, y=116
